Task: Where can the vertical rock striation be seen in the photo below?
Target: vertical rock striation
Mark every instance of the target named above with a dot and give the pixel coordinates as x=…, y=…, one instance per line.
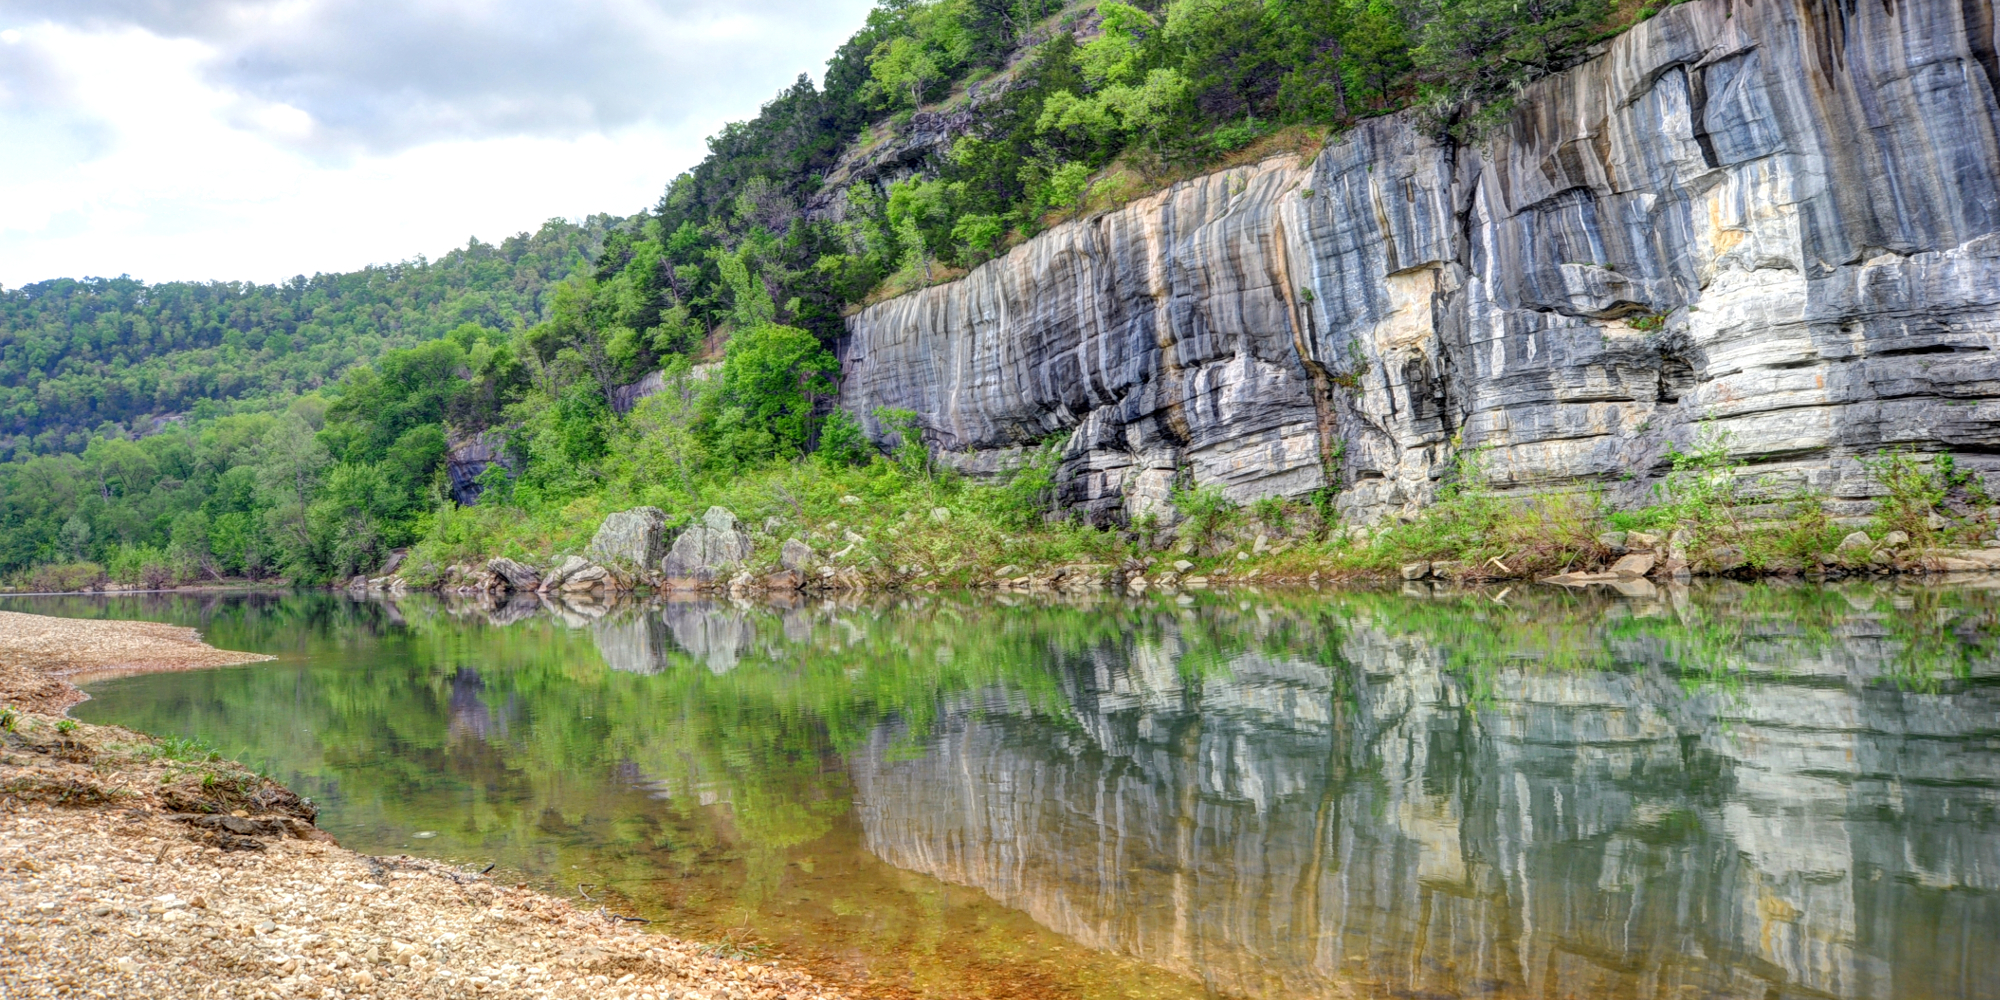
x=1781, y=217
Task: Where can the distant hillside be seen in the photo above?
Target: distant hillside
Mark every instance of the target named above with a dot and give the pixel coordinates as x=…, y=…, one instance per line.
x=78, y=355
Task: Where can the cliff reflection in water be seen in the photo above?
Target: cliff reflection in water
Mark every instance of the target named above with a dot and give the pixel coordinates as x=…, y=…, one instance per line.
x=1736, y=791
x=1461, y=800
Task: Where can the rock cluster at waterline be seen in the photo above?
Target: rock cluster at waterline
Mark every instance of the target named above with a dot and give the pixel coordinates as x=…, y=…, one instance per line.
x=635, y=549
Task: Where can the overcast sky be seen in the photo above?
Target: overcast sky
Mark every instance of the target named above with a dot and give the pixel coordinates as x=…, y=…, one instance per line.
x=258, y=139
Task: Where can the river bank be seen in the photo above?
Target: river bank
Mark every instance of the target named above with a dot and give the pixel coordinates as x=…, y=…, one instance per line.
x=139, y=867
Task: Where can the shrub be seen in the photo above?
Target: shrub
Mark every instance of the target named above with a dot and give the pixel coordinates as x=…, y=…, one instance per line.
x=1273, y=512
x=1538, y=534
x=1914, y=488
x=57, y=578
x=1703, y=490
x=1205, y=511
x=1230, y=138
x=908, y=448
x=1028, y=494
x=842, y=440
x=142, y=565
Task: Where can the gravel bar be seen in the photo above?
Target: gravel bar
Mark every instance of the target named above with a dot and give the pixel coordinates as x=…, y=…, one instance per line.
x=136, y=868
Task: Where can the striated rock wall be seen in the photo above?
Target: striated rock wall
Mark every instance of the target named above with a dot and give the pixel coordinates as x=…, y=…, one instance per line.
x=1783, y=217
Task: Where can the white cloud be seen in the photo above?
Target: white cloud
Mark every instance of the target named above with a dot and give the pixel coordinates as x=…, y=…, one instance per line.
x=256, y=140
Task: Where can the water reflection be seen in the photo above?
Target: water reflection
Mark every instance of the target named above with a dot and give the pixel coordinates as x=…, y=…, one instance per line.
x=1752, y=791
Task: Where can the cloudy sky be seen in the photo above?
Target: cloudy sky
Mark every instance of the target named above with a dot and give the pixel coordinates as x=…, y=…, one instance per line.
x=258, y=139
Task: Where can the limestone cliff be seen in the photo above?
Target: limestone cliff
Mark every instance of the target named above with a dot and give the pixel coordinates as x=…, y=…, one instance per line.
x=1783, y=216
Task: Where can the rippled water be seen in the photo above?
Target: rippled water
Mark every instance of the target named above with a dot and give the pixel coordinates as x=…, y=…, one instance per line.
x=1740, y=791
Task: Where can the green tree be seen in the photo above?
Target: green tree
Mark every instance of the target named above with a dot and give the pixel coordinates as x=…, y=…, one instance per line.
x=1476, y=51
x=289, y=468
x=772, y=377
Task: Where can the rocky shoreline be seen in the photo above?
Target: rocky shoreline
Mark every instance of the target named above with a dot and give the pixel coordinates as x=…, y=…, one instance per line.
x=633, y=552
x=138, y=867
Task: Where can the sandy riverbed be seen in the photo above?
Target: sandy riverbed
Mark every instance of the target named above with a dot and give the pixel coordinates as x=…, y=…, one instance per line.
x=134, y=868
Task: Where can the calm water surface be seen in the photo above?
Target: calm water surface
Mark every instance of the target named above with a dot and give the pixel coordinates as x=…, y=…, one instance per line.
x=1739, y=791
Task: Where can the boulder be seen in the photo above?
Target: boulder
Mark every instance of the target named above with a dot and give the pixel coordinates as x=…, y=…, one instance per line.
x=587, y=578
x=633, y=538
x=1416, y=570
x=1895, y=539
x=518, y=577
x=1727, y=559
x=1633, y=566
x=1964, y=561
x=796, y=555
x=395, y=562
x=708, y=551
x=1678, y=545
x=563, y=571
x=1856, y=542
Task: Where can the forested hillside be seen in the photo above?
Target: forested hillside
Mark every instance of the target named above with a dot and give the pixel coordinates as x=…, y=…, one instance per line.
x=76, y=355
x=942, y=132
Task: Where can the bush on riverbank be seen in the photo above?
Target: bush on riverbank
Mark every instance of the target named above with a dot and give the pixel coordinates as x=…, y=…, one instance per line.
x=890, y=515
x=56, y=578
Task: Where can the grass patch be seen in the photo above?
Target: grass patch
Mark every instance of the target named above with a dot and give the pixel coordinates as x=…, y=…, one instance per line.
x=183, y=750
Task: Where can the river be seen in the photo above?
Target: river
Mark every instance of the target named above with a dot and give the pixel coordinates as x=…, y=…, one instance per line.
x=1735, y=790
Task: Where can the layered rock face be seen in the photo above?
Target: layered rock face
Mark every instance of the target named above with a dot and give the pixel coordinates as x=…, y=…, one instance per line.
x=1779, y=219
x=1373, y=820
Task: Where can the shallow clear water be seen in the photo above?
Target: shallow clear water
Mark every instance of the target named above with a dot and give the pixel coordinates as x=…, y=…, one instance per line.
x=1740, y=791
